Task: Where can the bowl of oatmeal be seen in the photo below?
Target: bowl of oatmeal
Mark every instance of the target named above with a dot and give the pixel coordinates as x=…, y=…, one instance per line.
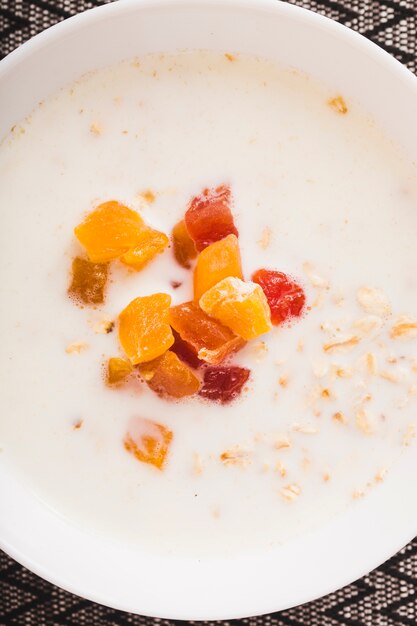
x=209, y=320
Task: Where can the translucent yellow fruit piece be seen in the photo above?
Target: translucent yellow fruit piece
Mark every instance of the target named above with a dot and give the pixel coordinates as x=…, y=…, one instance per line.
x=109, y=231
x=184, y=247
x=151, y=242
x=219, y=260
x=241, y=306
x=169, y=376
x=118, y=370
x=144, y=331
x=89, y=281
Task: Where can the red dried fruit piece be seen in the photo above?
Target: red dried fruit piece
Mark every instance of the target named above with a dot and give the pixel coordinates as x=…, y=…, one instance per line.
x=148, y=441
x=223, y=384
x=286, y=298
x=209, y=218
x=212, y=341
x=88, y=282
x=185, y=351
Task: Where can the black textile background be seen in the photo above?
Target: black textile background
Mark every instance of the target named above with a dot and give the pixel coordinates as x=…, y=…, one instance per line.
x=385, y=597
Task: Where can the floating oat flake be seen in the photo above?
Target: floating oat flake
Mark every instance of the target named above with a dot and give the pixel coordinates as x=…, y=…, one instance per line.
x=305, y=428
x=342, y=344
x=237, y=456
x=290, y=492
x=373, y=301
x=76, y=347
x=404, y=327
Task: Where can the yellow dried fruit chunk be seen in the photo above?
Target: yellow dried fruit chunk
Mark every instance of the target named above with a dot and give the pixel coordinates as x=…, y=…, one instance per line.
x=242, y=306
x=169, y=376
x=144, y=331
x=88, y=282
x=109, y=231
x=219, y=260
x=150, y=243
x=118, y=370
x=184, y=247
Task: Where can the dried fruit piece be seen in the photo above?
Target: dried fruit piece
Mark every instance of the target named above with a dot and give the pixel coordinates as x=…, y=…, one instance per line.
x=185, y=351
x=219, y=260
x=212, y=341
x=118, y=370
x=148, y=441
x=184, y=247
x=144, y=331
x=286, y=298
x=150, y=243
x=209, y=217
x=169, y=376
x=338, y=104
x=241, y=306
x=223, y=384
x=109, y=231
x=88, y=281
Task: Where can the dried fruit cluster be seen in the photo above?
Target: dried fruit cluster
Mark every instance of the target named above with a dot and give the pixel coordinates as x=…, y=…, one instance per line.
x=181, y=351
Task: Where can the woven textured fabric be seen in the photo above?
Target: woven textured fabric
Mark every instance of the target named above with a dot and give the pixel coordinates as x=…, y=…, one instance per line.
x=388, y=595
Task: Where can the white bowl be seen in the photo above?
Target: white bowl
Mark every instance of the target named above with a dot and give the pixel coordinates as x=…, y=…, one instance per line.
x=348, y=546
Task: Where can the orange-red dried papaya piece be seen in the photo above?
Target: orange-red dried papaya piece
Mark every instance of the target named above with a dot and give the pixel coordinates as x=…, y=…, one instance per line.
x=240, y=306
x=118, y=370
x=150, y=243
x=169, y=376
x=219, y=260
x=144, y=331
x=209, y=217
x=148, y=441
x=185, y=351
x=212, y=341
x=184, y=247
x=109, y=231
x=88, y=282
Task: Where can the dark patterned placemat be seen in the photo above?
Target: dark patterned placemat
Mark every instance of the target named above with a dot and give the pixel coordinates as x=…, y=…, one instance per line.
x=388, y=595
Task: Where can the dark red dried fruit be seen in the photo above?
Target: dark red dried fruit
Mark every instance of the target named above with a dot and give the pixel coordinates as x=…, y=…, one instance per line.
x=286, y=298
x=209, y=218
x=185, y=351
x=223, y=384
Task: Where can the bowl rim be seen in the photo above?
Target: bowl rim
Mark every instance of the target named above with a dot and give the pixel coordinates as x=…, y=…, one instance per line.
x=72, y=24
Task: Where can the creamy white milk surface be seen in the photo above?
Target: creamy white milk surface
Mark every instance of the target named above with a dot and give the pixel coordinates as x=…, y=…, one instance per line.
x=323, y=196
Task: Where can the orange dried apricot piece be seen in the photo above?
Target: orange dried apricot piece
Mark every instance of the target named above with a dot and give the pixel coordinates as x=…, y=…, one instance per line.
x=144, y=331
x=88, y=281
x=109, y=231
x=184, y=247
x=219, y=260
x=118, y=370
x=148, y=441
x=150, y=243
x=212, y=341
x=209, y=218
x=240, y=306
x=169, y=376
